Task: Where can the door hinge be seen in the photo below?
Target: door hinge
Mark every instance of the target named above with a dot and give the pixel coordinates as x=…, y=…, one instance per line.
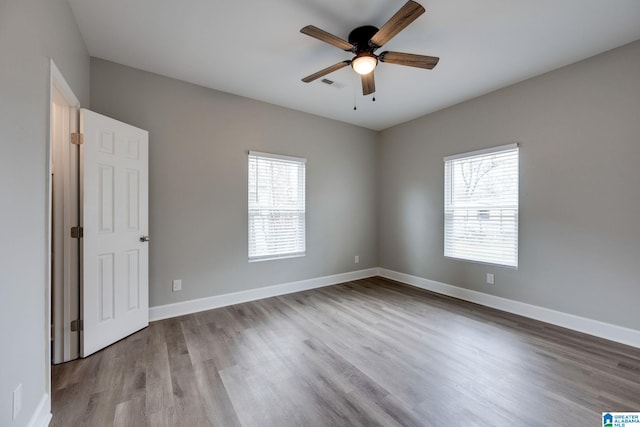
x=77, y=232
x=77, y=138
x=77, y=325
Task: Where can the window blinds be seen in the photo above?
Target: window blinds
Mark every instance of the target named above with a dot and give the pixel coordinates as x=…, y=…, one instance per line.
x=276, y=206
x=481, y=206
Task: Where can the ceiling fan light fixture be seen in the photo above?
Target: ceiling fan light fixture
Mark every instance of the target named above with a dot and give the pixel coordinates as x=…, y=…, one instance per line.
x=364, y=63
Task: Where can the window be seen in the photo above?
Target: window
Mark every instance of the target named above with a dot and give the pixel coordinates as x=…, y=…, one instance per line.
x=481, y=206
x=276, y=206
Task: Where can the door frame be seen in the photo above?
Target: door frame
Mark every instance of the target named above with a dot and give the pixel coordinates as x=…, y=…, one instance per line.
x=56, y=82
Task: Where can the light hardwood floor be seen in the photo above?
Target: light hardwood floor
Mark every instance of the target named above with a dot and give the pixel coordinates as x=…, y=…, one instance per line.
x=368, y=353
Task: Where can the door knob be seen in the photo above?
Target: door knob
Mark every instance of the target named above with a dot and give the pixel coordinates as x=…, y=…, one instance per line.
x=144, y=238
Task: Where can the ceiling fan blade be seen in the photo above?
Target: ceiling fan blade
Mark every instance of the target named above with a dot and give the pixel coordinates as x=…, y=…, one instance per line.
x=398, y=22
x=368, y=84
x=409, y=59
x=326, y=71
x=322, y=35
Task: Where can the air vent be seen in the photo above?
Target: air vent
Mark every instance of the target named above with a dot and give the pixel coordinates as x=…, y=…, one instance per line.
x=336, y=85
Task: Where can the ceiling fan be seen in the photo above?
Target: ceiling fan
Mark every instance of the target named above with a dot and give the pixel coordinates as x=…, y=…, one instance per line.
x=364, y=41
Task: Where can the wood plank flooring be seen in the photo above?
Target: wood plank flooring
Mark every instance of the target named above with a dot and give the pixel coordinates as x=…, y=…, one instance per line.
x=367, y=353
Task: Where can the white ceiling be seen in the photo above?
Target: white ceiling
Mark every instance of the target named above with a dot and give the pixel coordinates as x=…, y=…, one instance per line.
x=253, y=48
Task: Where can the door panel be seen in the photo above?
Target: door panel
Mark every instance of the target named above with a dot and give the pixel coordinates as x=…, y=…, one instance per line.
x=115, y=288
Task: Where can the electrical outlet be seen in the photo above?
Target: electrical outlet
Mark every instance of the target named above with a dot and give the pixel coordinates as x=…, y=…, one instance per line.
x=356, y=259
x=17, y=401
x=490, y=279
x=177, y=285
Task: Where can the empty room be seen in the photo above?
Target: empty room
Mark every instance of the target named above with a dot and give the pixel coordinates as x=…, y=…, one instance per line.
x=320, y=213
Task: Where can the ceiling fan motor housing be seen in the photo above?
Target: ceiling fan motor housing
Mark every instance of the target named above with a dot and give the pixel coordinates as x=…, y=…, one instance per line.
x=360, y=37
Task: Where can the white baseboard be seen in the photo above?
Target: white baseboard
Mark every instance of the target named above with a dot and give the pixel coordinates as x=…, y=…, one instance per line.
x=581, y=324
x=42, y=415
x=202, y=304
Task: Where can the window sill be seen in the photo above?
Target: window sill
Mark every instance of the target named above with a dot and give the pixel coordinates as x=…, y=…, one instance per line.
x=276, y=257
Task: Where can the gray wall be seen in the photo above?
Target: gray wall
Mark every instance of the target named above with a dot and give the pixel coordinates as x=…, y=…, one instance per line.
x=579, y=129
x=31, y=32
x=199, y=140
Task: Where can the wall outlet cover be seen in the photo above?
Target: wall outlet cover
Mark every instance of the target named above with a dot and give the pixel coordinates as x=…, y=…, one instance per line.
x=490, y=278
x=177, y=285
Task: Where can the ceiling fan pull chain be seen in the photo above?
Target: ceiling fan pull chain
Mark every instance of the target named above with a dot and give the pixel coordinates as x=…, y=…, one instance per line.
x=354, y=93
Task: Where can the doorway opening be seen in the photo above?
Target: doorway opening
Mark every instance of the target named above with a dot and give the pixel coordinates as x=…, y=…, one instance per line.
x=64, y=195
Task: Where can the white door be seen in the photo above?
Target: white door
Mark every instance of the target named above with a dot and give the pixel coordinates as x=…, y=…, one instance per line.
x=115, y=252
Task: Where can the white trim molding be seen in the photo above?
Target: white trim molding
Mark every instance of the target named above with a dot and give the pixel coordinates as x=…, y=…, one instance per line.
x=483, y=151
x=42, y=415
x=604, y=330
x=581, y=324
x=193, y=306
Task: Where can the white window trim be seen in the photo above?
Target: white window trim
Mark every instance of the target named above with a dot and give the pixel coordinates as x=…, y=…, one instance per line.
x=275, y=257
x=299, y=161
x=278, y=156
x=482, y=152
x=476, y=153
